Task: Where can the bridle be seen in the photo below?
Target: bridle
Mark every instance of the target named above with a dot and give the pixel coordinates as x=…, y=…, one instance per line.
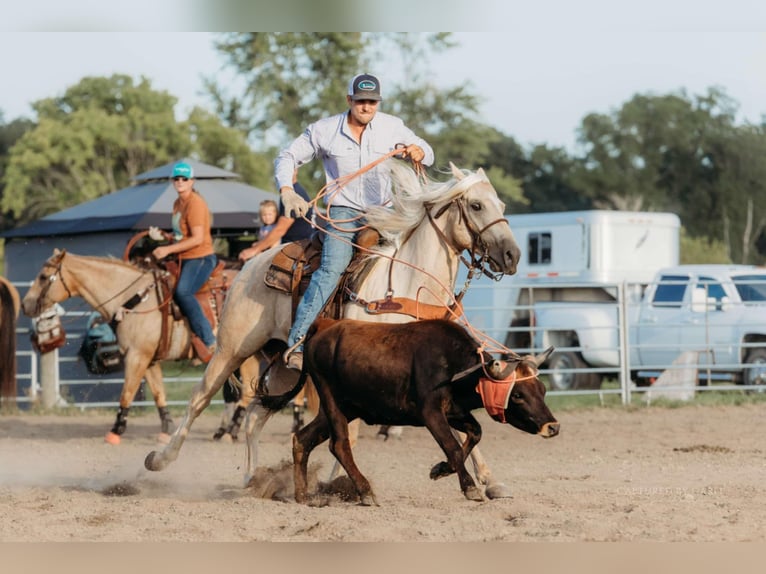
x=479, y=249
x=52, y=278
x=58, y=274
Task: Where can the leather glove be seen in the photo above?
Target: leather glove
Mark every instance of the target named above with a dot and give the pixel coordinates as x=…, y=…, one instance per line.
x=293, y=203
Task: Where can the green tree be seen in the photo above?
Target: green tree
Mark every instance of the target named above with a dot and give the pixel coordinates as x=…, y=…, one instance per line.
x=9, y=134
x=294, y=79
x=650, y=153
x=739, y=170
x=102, y=133
x=91, y=141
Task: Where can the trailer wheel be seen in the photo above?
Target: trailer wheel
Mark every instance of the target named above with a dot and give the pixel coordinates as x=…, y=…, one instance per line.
x=755, y=374
x=565, y=381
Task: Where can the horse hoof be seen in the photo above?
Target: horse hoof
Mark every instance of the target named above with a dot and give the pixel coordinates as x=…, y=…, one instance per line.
x=226, y=438
x=112, y=438
x=368, y=500
x=498, y=490
x=473, y=493
x=153, y=461
x=163, y=438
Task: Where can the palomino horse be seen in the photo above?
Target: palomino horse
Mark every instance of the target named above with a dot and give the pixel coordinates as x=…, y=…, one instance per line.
x=119, y=289
x=430, y=226
x=10, y=302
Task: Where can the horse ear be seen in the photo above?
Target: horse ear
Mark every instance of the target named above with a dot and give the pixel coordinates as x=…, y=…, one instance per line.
x=480, y=172
x=456, y=173
x=56, y=251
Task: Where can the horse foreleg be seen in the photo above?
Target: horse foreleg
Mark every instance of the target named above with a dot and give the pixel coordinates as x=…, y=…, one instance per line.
x=248, y=379
x=218, y=370
x=135, y=367
x=494, y=488
x=153, y=376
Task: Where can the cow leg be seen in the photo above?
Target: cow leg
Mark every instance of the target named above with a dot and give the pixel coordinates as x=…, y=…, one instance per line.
x=340, y=447
x=304, y=441
x=353, y=436
x=437, y=425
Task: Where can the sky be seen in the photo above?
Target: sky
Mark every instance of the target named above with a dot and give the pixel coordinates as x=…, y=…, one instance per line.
x=538, y=68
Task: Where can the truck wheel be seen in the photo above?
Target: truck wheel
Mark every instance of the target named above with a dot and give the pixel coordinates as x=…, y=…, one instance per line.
x=756, y=374
x=561, y=381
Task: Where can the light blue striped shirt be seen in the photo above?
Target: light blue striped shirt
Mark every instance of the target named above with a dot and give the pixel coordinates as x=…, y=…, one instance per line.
x=331, y=140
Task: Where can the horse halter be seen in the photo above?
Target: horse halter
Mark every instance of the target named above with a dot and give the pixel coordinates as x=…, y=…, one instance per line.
x=478, y=249
x=52, y=278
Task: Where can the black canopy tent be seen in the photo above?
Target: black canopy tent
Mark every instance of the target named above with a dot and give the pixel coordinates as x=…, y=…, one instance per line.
x=149, y=201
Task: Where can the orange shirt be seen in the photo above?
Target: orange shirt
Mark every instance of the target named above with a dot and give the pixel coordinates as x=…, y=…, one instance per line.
x=194, y=212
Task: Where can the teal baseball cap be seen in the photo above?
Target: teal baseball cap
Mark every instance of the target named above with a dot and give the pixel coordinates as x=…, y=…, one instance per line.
x=182, y=169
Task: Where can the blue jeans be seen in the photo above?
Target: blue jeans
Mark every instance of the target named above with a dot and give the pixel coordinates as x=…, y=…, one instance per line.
x=336, y=255
x=194, y=273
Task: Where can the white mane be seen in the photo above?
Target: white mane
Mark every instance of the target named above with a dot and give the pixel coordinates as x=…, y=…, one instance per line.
x=411, y=199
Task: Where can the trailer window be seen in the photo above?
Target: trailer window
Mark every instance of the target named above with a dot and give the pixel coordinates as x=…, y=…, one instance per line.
x=539, y=248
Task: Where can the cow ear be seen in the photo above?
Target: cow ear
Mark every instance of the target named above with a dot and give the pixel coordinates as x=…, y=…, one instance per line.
x=542, y=357
x=456, y=173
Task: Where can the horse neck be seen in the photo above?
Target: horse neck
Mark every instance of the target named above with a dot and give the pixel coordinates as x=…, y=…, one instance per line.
x=104, y=284
x=425, y=266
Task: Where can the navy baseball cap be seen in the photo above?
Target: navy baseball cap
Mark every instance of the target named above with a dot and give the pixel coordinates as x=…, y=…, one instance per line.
x=364, y=87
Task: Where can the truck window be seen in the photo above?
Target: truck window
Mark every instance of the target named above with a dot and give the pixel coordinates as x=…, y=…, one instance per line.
x=751, y=287
x=713, y=290
x=539, y=248
x=670, y=291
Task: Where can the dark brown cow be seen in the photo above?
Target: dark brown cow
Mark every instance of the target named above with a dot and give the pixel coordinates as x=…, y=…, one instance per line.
x=425, y=373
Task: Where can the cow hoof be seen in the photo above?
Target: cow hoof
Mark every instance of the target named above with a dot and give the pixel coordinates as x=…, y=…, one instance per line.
x=440, y=470
x=112, y=438
x=153, y=461
x=473, y=493
x=163, y=438
x=498, y=490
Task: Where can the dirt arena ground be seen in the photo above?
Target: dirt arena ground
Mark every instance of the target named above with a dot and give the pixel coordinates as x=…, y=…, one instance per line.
x=647, y=474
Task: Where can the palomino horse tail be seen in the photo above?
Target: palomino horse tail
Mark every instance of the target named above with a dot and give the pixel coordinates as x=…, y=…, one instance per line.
x=8, y=313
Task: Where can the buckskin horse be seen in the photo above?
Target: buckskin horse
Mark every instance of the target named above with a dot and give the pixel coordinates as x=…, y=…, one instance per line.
x=10, y=302
x=137, y=301
x=430, y=226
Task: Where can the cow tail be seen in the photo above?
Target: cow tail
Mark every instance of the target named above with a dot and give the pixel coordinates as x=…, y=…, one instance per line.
x=278, y=402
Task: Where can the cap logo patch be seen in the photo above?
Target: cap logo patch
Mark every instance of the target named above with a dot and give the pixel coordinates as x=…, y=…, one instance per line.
x=366, y=85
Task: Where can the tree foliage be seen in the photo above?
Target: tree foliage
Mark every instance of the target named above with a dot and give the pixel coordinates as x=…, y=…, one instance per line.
x=102, y=133
x=294, y=79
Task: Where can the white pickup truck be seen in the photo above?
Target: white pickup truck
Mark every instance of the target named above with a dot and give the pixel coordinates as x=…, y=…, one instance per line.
x=717, y=311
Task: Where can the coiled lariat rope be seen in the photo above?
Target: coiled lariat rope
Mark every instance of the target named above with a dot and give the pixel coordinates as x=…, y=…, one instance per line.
x=475, y=266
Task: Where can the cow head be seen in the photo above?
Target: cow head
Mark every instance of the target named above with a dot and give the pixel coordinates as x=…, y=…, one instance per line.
x=524, y=395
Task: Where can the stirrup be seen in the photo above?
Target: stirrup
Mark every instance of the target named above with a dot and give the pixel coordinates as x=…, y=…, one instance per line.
x=291, y=350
